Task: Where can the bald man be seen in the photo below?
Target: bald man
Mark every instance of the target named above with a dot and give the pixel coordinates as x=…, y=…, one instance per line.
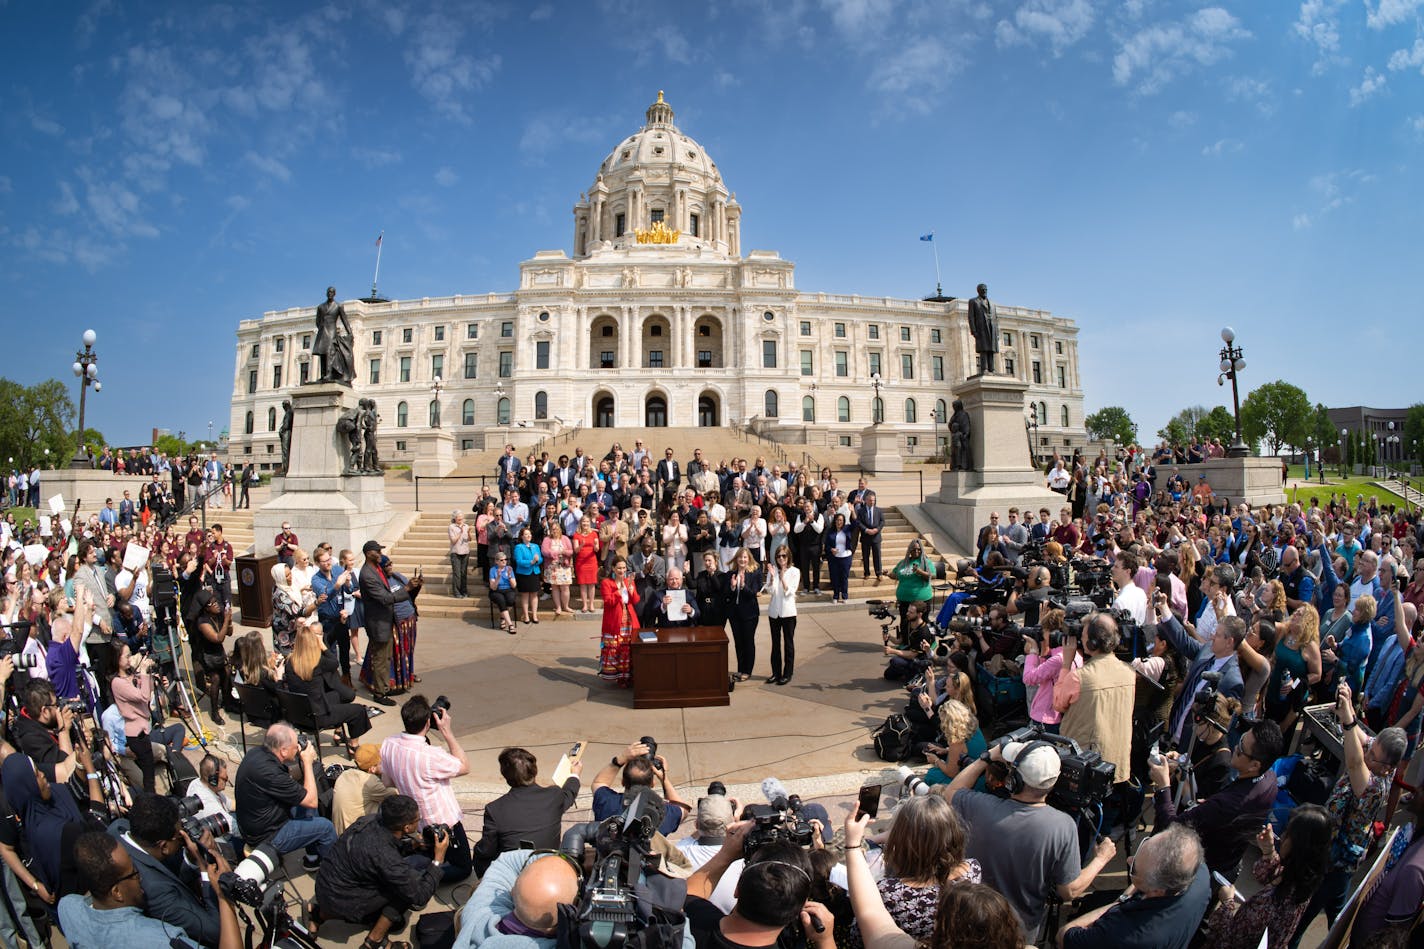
x=517, y=902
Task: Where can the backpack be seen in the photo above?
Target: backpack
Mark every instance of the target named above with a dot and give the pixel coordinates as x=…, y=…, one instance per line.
x=892, y=738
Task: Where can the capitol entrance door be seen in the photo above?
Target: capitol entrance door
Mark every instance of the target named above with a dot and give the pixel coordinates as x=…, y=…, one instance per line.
x=655, y=415
x=603, y=412
x=707, y=412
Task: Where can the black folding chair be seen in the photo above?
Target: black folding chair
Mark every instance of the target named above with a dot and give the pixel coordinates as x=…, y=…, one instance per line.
x=256, y=705
x=297, y=710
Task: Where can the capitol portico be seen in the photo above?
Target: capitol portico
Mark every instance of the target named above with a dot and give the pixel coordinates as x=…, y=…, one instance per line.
x=657, y=319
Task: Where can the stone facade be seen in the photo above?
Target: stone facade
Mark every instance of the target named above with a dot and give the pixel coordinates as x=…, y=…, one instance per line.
x=657, y=319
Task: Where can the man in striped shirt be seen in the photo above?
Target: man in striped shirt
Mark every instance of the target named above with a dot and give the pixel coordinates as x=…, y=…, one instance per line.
x=421, y=770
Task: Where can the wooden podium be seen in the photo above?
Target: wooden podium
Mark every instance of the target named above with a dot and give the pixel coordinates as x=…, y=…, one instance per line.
x=685, y=668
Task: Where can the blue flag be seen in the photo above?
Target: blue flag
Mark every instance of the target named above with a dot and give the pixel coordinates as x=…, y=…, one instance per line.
x=927, y=237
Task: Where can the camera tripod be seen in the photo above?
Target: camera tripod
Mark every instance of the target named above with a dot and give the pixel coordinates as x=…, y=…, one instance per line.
x=1186, y=776
x=277, y=927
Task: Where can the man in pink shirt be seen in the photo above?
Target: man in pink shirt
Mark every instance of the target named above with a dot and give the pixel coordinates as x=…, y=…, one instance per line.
x=421, y=770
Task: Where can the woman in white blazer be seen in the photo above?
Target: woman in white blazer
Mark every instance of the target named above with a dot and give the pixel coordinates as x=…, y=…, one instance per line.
x=782, y=580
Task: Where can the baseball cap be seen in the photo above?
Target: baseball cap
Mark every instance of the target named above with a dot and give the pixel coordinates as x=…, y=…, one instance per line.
x=367, y=755
x=1039, y=768
x=714, y=813
x=369, y=546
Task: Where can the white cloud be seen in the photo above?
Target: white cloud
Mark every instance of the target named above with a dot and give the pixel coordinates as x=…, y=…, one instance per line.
x=375, y=157
x=1301, y=222
x=1060, y=23
x=442, y=70
x=1182, y=119
x=1370, y=86
x=544, y=133
x=114, y=207
x=916, y=76
x=542, y=12
x=6, y=186
x=1252, y=91
x=1408, y=58
x=725, y=79
x=1319, y=24
x=446, y=177
x=45, y=125
x=1224, y=146
x=268, y=165
x=1331, y=191
x=857, y=18
x=1158, y=54
x=67, y=204
x=1415, y=123
x=1387, y=13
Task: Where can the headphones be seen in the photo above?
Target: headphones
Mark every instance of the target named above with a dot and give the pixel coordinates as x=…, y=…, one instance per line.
x=213, y=778
x=537, y=854
x=1014, y=781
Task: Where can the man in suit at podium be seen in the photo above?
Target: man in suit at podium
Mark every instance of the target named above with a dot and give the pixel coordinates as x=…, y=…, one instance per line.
x=677, y=606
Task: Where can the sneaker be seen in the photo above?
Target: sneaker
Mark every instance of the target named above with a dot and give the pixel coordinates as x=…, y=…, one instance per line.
x=311, y=862
x=383, y=700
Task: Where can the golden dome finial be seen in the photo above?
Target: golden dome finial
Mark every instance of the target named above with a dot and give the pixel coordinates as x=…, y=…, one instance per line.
x=660, y=95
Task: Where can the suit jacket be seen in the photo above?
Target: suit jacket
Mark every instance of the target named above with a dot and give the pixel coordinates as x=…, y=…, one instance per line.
x=1201, y=658
x=532, y=814
x=379, y=602
x=177, y=899
x=668, y=473
x=872, y=517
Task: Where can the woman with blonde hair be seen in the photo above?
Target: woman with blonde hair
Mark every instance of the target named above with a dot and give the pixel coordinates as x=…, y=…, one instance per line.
x=1296, y=669
x=962, y=736
x=311, y=671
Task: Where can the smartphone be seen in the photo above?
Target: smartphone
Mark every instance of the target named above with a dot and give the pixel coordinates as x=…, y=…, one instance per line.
x=870, y=800
x=576, y=750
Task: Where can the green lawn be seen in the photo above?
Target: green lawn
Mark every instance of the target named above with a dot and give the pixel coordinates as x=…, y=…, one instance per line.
x=1351, y=487
x=21, y=513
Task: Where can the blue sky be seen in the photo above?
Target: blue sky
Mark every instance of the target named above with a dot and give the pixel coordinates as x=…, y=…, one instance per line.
x=1153, y=170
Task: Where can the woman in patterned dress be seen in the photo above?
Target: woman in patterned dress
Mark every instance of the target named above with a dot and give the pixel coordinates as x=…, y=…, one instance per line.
x=620, y=623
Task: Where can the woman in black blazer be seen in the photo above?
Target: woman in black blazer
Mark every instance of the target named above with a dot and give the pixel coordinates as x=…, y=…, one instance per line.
x=312, y=671
x=709, y=589
x=739, y=595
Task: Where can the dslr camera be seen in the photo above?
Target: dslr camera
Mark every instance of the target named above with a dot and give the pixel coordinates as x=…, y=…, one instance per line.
x=434, y=834
x=782, y=819
x=193, y=825
x=438, y=708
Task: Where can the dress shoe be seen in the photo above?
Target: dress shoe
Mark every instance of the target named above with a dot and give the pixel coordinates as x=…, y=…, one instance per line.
x=773, y=680
x=346, y=681
x=383, y=700
x=783, y=680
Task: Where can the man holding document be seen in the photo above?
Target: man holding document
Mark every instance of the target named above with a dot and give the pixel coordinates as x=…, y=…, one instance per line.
x=677, y=606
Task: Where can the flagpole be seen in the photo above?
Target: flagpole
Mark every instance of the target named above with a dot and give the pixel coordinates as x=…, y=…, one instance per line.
x=377, y=276
x=939, y=291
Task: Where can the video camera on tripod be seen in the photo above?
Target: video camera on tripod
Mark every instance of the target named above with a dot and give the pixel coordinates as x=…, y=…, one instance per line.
x=1084, y=779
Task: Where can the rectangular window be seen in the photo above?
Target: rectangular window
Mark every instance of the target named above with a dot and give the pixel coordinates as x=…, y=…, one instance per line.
x=655, y=359
x=276, y=377
x=375, y=337
x=843, y=441
x=655, y=216
x=506, y=330
x=279, y=344
x=605, y=359
x=541, y=354
x=440, y=334
x=935, y=336
x=1033, y=340
x=912, y=441
x=506, y=364
x=303, y=373
x=1062, y=378
x=842, y=363
x=693, y=225
x=1008, y=338
x=1058, y=346
x=907, y=366
x=406, y=334
x=807, y=365
x=805, y=327
x=840, y=331
x=472, y=331
x=405, y=369
x=1009, y=366
x=768, y=354
x=874, y=364
x=1037, y=372
x=472, y=361
x=704, y=359
x=375, y=372
x=904, y=334
x=620, y=221
x=874, y=331
x=251, y=381
x=937, y=368
x=400, y=446
x=437, y=366
x=306, y=341
x=256, y=349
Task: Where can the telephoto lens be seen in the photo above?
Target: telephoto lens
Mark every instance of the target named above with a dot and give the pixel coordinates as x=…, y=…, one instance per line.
x=245, y=882
x=26, y=660
x=189, y=806
x=652, y=744
x=715, y=788
x=215, y=824
x=913, y=784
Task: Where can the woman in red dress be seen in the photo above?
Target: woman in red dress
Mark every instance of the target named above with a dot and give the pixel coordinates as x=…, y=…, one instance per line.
x=585, y=542
x=620, y=623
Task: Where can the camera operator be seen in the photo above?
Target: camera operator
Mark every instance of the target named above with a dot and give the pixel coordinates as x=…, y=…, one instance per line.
x=1228, y=819
x=1003, y=637
x=208, y=787
x=272, y=808
x=773, y=892
x=919, y=637
x=529, y=813
x=372, y=877
x=1218, y=656
x=1030, y=602
x=516, y=905
x=114, y=914
x=172, y=889
x=420, y=770
x=640, y=767
x=1024, y=847
x=42, y=729
x=1101, y=715
x=1043, y=659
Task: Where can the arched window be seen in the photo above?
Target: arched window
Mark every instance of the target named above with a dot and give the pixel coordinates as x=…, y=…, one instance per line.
x=433, y=414
x=541, y=405
x=271, y=420
x=877, y=410
x=1043, y=413
x=467, y=412
x=912, y=411
x=1063, y=416
x=843, y=409
x=247, y=423
x=808, y=409
x=771, y=405
x=402, y=415
x=502, y=412
x=941, y=411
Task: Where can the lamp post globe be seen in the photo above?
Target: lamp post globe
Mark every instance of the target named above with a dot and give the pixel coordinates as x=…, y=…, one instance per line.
x=86, y=368
x=1231, y=363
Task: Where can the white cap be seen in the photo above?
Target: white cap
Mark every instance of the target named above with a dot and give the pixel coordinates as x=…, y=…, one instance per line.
x=1040, y=767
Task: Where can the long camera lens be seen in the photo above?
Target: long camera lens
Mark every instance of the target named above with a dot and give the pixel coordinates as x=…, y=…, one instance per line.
x=247, y=880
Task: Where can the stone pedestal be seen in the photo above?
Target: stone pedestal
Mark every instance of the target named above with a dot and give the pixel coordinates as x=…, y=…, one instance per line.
x=88, y=487
x=880, y=450
x=314, y=496
x=434, y=453
x=1256, y=481
x=1003, y=475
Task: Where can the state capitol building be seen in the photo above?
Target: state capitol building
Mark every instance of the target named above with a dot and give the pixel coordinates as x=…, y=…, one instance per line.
x=657, y=319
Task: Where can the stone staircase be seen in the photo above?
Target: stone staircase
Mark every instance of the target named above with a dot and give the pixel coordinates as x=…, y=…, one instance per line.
x=1404, y=488
x=426, y=544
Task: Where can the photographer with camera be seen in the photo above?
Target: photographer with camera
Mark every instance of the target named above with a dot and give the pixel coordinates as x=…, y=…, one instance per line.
x=1024, y=847
x=919, y=638
x=373, y=875
x=43, y=729
x=114, y=914
x=1101, y=715
x=1043, y=660
x=274, y=809
x=421, y=770
x=516, y=905
x=157, y=842
x=1218, y=657
x=1029, y=602
x=640, y=765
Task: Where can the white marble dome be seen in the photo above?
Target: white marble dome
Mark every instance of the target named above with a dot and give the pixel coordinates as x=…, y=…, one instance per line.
x=660, y=144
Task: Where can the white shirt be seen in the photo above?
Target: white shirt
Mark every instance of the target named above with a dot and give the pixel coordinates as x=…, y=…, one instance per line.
x=139, y=599
x=1206, y=626
x=783, y=594
x=213, y=802
x=1132, y=599
x=1058, y=478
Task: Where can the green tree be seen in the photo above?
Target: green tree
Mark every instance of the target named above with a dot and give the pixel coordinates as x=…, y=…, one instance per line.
x=1352, y=450
x=1112, y=421
x=1182, y=427
x=171, y=445
x=1219, y=423
x=1276, y=413
x=33, y=418
x=1320, y=431
x=1414, y=432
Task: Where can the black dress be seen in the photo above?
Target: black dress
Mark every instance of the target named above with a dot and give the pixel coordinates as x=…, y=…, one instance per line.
x=331, y=699
x=708, y=588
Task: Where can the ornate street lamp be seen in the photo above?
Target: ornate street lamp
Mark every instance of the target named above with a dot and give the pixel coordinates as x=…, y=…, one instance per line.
x=1031, y=430
x=877, y=408
x=1232, y=362
x=86, y=367
x=436, y=388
